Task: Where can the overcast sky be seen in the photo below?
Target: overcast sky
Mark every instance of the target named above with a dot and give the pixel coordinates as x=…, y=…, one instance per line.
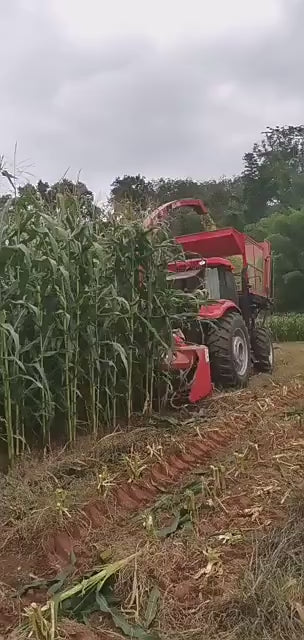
x=176, y=88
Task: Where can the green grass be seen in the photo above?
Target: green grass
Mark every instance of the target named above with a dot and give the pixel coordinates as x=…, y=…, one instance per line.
x=287, y=327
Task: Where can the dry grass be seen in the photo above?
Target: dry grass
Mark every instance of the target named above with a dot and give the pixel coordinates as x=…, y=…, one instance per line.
x=270, y=603
x=30, y=493
x=198, y=570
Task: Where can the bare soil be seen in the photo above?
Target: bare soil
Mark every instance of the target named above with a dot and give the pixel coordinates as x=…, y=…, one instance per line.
x=234, y=466
x=289, y=363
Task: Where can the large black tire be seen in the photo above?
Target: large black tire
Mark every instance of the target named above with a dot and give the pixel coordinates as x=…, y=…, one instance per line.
x=229, y=351
x=262, y=348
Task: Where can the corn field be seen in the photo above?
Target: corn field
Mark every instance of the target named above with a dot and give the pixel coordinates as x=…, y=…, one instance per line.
x=287, y=327
x=86, y=316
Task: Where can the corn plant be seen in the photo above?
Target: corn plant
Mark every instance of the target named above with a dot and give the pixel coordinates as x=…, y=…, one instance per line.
x=135, y=465
x=86, y=316
x=42, y=622
x=287, y=327
x=105, y=481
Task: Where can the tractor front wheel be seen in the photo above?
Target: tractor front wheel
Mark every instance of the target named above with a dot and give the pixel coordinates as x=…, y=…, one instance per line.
x=262, y=348
x=229, y=351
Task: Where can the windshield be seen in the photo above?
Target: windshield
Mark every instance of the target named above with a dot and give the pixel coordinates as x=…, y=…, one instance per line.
x=190, y=281
x=213, y=284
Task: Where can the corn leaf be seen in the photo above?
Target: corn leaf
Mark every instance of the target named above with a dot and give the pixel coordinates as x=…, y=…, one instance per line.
x=152, y=606
x=130, y=630
x=181, y=519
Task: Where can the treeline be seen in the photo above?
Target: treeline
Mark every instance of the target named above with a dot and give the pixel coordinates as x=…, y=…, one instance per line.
x=265, y=200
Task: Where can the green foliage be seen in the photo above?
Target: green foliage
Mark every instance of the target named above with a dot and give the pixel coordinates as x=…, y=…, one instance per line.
x=224, y=199
x=94, y=593
x=152, y=606
x=285, y=231
x=287, y=327
x=50, y=195
x=81, y=332
x=267, y=200
x=273, y=174
x=136, y=190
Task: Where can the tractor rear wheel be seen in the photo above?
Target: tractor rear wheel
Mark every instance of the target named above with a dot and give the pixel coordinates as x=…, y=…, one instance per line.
x=262, y=348
x=229, y=351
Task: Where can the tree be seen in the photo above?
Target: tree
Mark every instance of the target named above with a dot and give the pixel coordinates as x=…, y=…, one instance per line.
x=3, y=199
x=135, y=190
x=79, y=192
x=224, y=198
x=285, y=231
x=273, y=175
x=167, y=189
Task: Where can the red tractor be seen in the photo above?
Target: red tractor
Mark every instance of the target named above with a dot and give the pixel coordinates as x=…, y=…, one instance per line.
x=235, y=272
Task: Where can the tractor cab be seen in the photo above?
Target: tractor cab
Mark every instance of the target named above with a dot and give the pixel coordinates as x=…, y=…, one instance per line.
x=212, y=275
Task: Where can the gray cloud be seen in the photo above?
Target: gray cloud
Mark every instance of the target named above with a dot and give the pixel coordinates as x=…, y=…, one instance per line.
x=127, y=104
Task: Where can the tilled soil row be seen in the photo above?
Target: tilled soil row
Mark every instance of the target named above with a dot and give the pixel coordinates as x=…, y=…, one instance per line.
x=168, y=473
x=131, y=497
x=241, y=419
x=96, y=515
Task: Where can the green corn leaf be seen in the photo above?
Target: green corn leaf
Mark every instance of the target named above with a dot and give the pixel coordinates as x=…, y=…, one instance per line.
x=119, y=350
x=130, y=630
x=56, y=228
x=55, y=249
x=18, y=362
x=11, y=331
x=35, y=382
x=35, y=584
x=7, y=252
x=153, y=331
x=66, y=276
x=28, y=305
x=152, y=606
x=41, y=372
x=182, y=518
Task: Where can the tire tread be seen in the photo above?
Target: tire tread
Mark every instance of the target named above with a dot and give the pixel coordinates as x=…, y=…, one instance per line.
x=218, y=342
x=261, y=343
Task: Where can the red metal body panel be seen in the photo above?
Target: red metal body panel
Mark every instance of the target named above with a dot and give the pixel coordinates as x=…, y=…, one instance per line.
x=256, y=256
x=201, y=385
x=196, y=263
x=222, y=243
x=185, y=265
x=219, y=262
x=184, y=358
x=215, y=310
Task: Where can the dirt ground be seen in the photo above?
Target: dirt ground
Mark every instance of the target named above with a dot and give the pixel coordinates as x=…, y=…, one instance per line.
x=210, y=502
x=289, y=363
